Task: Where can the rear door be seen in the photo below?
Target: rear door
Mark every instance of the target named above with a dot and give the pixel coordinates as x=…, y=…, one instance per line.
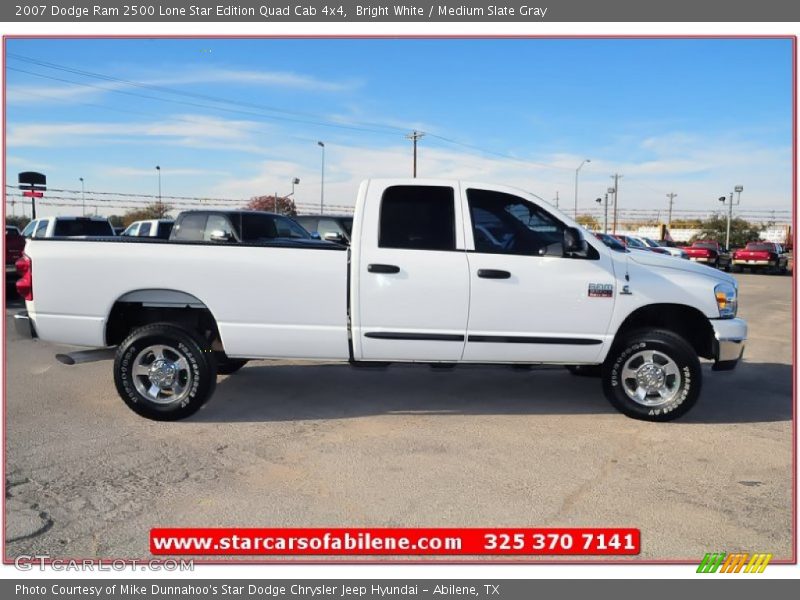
x=413, y=294
x=528, y=302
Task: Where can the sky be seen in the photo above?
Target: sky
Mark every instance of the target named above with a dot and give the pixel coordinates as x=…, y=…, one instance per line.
x=235, y=118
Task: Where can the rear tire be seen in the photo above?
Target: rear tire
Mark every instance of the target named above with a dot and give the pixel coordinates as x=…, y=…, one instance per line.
x=164, y=372
x=652, y=375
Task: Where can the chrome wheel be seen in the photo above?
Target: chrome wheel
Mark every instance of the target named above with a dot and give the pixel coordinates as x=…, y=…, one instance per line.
x=651, y=378
x=162, y=374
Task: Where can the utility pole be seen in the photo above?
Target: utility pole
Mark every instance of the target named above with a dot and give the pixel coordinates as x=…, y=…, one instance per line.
x=671, y=197
x=83, y=198
x=414, y=137
x=556, y=199
x=322, y=180
x=577, y=172
x=616, y=177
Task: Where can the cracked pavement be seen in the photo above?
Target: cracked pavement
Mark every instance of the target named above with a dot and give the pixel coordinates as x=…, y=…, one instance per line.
x=288, y=444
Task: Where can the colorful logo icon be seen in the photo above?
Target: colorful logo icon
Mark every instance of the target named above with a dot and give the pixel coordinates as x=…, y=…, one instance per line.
x=740, y=562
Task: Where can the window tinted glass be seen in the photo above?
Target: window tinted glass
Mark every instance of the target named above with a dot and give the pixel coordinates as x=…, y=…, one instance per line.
x=767, y=247
x=132, y=229
x=164, y=229
x=506, y=224
x=256, y=227
x=634, y=243
x=418, y=217
x=191, y=227
x=81, y=227
x=145, y=229
x=12, y=232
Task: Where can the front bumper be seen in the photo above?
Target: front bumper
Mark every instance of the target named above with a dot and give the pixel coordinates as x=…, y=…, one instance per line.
x=23, y=325
x=729, y=341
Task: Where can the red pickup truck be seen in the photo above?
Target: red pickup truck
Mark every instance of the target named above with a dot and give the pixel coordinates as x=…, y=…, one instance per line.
x=15, y=243
x=761, y=256
x=709, y=252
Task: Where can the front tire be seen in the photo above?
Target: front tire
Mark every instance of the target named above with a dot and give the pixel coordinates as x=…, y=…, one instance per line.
x=163, y=372
x=652, y=375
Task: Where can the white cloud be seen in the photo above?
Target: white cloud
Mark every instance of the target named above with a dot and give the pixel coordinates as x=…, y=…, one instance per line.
x=28, y=93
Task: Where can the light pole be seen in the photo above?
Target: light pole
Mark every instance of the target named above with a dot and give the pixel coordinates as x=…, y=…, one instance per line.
x=322, y=181
x=738, y=189
x=83, y=198
x=158, y=168
x=577, y=171
x=671, y=196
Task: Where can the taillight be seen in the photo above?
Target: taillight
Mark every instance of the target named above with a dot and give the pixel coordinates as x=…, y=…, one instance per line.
x=25, y=282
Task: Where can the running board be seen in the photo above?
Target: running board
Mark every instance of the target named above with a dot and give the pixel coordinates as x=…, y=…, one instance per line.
x=86, y=356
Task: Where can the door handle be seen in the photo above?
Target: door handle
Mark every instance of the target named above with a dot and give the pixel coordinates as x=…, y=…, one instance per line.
x=383, y=268
x=493, y=274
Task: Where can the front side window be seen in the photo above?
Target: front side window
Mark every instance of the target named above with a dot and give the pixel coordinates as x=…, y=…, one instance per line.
x=131, y=230
x=506, y=224
x=418, y=217
x=41, y=228
x=191, y=227
x=216, y=223
x=145, y=229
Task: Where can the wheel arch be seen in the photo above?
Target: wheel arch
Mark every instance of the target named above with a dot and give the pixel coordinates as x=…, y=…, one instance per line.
x=687, y=321
x=141, y=307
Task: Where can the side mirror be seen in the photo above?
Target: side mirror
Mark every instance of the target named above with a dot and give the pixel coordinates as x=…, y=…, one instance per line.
x=332, y=236
x=220, y=236
x=574, y=244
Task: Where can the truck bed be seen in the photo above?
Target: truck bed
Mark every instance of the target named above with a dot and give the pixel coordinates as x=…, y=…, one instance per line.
x=292, y=292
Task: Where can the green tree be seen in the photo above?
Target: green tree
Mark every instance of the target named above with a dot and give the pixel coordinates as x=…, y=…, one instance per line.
x=282, y=205
x=742, y=231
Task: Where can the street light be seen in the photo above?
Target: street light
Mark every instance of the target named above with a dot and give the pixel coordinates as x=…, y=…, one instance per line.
x=738, y=189
x=295, y=181
x=577, y=171
x=158, y=168
x=83, y=199
x=322, y=181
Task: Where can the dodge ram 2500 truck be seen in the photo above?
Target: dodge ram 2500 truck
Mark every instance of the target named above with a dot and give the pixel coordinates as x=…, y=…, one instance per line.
x=437, y=272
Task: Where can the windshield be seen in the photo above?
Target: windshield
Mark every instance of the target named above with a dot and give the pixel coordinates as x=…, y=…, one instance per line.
x=77, y=227
x=611, y=242
x=767, y=247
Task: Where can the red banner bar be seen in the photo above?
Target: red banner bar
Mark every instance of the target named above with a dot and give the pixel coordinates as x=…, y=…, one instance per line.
x=618, y=541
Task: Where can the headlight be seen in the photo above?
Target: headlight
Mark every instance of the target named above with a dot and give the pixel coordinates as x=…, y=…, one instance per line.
x=727, y=302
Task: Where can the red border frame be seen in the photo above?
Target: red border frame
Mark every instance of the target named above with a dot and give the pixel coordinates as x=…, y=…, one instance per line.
x=386, y=560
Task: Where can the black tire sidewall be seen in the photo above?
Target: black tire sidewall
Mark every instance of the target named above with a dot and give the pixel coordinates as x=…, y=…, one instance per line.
x=674, y=347
x=201, y=364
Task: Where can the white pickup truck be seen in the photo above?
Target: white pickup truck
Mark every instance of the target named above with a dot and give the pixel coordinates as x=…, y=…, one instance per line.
x=437, y=272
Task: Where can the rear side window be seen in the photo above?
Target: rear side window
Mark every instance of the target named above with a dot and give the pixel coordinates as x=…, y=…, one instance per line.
x=164, y=229
x=217, y=223
x=289, y=229
x=191, y=228
x=78, y=227
x=145, y=229
x=310, y=223
x=257, y=227
x=418, y=218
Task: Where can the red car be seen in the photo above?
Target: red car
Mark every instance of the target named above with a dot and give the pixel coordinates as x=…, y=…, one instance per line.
x=761, y=256
x=15, y=243
x=709, y=252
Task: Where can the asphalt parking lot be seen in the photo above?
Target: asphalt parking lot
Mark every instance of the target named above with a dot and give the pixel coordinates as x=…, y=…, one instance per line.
x=285, y=444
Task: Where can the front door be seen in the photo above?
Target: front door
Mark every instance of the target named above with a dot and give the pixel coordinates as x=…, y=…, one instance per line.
x=528, y=302
x=413, y=293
